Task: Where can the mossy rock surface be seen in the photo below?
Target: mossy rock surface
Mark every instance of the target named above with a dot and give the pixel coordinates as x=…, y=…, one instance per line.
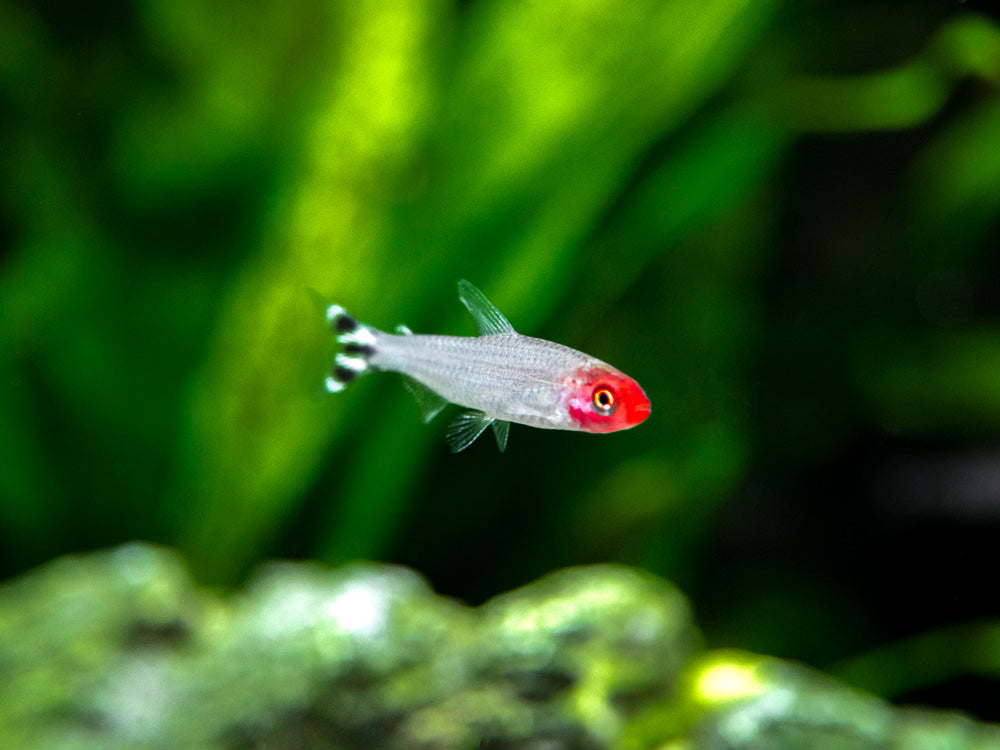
x=120, y=649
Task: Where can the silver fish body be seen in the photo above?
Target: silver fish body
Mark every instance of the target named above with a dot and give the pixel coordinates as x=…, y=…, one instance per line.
x=499, y=377
x=507, y=376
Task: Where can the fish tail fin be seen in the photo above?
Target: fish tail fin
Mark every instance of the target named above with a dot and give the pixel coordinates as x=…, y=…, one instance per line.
x=359, y=342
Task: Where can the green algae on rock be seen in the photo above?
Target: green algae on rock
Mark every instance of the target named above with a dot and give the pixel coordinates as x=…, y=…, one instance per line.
x=121, y=649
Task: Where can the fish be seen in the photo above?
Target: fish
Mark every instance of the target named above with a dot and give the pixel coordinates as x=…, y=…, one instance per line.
x=499, y=377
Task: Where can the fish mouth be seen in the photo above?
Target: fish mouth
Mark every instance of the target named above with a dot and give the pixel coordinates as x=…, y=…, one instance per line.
x=640, y=412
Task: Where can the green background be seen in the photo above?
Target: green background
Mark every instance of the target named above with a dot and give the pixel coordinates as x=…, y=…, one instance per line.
x=780, y=218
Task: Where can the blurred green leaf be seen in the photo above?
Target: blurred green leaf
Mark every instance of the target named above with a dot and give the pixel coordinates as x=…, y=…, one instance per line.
x=898, y=97
x=944, y=384
x=256, y=435
x=927, y=659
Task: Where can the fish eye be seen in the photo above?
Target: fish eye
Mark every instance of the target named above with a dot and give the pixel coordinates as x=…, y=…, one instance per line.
x=604, y=400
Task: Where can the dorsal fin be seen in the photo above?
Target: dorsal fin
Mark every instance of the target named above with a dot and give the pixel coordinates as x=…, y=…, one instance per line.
x=488, y=318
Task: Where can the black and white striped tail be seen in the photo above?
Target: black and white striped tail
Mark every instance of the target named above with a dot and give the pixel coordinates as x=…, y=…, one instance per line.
x=359, y=346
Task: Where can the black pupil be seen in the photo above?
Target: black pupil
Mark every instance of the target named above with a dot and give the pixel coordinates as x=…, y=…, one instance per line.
x=604, y=399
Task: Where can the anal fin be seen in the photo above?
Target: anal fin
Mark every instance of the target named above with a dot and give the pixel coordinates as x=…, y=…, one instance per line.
x=500, y=431
x=429, y=402
x=466, y=428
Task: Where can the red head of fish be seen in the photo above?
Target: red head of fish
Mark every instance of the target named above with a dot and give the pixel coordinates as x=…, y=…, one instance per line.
x=600, y=399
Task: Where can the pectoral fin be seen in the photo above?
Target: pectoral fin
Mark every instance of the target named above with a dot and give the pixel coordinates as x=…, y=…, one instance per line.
x=466, y=428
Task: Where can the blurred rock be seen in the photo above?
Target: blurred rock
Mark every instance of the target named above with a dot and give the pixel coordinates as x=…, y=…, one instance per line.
x=120, y=649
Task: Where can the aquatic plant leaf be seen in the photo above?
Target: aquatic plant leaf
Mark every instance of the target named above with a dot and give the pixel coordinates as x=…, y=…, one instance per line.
x=255, y=438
